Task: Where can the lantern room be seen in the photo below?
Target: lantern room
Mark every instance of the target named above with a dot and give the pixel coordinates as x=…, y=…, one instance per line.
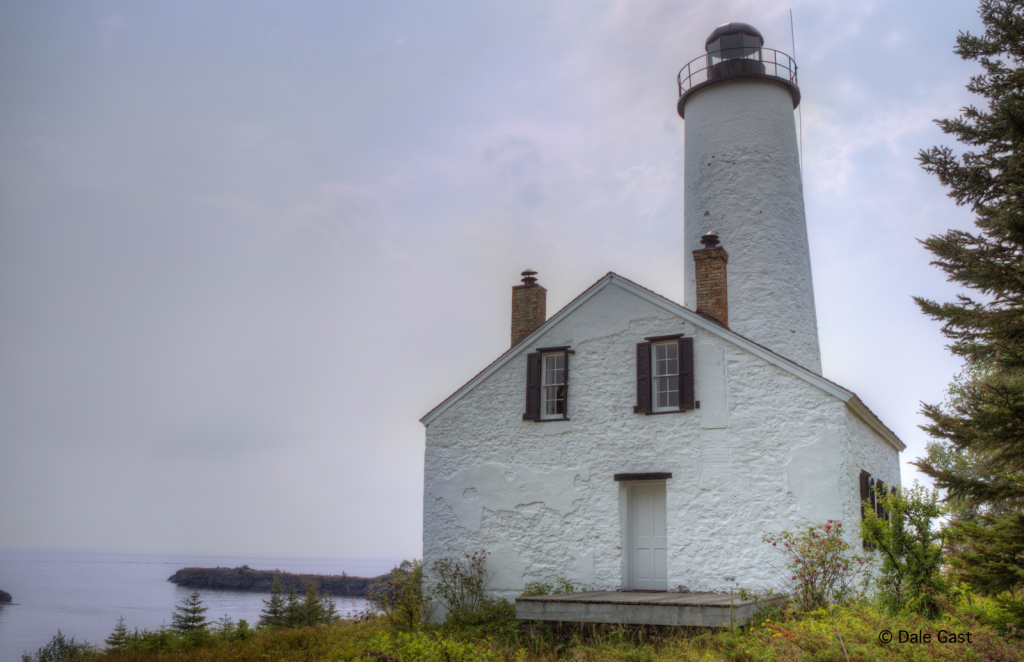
x=734, y=48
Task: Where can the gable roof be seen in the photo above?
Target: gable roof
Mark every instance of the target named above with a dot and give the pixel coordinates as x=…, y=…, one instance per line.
x=706, y=323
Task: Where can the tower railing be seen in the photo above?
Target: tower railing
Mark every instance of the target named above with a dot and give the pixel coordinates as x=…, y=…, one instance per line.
x=776, y=65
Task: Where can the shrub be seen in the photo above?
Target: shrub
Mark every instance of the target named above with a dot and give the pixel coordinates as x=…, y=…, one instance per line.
x=459, y=585
x=419, y=646
x=560, y=586
x=910, y=549
x=59, y=649
x=400, y=594
x=494, y=618
x=821, y=568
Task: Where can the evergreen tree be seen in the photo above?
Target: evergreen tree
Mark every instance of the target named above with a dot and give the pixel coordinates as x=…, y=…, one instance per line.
x=292, y=608
x=118, y=639
x=188, y=616
x=311, y=610
x=273, y=614
x=328, y=610
x=985, y=423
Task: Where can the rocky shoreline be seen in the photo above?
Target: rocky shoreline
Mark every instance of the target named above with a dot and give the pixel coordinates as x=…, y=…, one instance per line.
x=5, y=597
x=246, y=579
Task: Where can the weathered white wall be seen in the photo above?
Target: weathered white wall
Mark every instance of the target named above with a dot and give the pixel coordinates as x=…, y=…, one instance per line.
x=743, y=182
x=871, y=453
x=766, y=451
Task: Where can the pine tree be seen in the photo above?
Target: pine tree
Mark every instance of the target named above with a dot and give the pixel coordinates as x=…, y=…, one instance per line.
x=188, y=616
x=292, y=608
x=273, y=614
x=118, y=639
x=311, y=610
x=986, y=422
x=328, y=610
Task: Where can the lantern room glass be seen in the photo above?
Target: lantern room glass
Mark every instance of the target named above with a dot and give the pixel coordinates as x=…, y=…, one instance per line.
x=734, y=47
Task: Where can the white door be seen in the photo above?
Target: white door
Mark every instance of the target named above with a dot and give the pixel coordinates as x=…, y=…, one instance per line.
x=648, y=549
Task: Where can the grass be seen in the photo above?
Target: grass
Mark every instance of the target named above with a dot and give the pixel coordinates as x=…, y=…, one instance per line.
x=496, y=636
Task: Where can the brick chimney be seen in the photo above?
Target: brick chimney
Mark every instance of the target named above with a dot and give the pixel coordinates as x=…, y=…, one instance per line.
x=709, y=268
x=529, y=306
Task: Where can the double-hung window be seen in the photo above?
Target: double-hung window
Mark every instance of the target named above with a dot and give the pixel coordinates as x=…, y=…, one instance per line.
x=547, y=384
x=553, y=383
x=664, y=375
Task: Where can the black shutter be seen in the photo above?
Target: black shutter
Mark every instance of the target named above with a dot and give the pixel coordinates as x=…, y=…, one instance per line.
x=879, y=493
x=865, y=494
x=565, y=405
x=685, y=373
x=532, y=387
x=643, y=378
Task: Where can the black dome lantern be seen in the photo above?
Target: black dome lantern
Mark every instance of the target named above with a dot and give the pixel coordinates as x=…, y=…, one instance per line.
x=736, y=50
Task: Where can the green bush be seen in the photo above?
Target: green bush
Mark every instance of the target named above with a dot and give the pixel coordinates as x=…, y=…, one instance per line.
x=419, y=646
x=399, y=595
x=493, y=618
x=910, y=549
x=59, y=649
x=560, y=586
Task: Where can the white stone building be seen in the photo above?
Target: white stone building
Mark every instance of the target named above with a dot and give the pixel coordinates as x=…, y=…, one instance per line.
x=629, y=442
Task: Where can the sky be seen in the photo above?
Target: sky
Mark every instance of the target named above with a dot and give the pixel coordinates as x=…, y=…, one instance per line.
x=246, y=246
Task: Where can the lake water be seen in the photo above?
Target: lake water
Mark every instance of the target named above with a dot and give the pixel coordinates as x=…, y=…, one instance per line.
x=83, y=594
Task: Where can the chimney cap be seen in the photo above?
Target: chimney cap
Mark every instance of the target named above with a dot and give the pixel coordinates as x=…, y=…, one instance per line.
x=709, y=241
x=529, y=277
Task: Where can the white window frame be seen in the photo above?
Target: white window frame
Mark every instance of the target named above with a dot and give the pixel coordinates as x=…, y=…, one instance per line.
x=655, y=377
x=544, y=385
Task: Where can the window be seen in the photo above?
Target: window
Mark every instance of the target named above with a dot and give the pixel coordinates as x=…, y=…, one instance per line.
x=547, y=384
x=870, y=492
x=664, y=375
x=665, y=372
x=553, y=386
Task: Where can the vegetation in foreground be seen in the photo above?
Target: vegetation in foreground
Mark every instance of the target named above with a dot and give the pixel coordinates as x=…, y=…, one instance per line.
x=849, y=628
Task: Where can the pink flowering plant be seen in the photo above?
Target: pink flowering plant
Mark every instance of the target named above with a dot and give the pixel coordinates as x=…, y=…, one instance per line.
x=820, y=566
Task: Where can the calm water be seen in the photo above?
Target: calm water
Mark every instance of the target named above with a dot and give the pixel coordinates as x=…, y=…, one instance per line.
x=84, y=594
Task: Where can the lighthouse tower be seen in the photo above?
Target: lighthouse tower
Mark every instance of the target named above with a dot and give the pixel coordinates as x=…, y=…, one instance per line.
x=743, y=183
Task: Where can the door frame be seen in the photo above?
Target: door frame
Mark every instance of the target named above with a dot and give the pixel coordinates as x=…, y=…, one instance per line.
x=625, y=493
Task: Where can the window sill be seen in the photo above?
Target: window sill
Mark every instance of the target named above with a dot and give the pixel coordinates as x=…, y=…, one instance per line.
x=696, y=405
x=548, y=420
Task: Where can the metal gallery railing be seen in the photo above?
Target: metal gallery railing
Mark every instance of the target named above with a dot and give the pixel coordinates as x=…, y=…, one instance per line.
x=710, y=65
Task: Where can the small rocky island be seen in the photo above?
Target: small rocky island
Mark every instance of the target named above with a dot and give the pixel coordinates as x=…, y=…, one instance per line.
x=5, y=597
x=244, y=578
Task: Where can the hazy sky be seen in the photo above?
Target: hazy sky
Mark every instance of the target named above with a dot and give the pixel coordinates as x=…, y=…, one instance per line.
x=245, y=246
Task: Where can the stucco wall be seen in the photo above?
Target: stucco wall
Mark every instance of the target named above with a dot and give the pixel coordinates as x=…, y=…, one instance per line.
x=868, y=452
x=766, y=451
x=743, y=182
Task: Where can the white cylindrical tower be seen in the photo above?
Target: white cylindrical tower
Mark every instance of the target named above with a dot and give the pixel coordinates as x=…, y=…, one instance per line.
x=743, y=183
